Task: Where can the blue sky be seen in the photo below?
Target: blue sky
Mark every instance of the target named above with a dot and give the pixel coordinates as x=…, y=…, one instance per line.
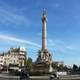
x=20, y=25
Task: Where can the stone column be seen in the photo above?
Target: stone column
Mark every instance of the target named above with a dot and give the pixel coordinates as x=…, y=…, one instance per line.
x=44, y=35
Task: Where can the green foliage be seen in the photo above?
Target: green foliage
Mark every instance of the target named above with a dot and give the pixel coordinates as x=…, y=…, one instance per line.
x=75, y=67
x=29, y=63
x=79, y=68
x=60, y=68
x=55, y=66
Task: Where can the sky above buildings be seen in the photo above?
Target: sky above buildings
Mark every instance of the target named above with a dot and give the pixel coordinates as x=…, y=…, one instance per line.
x=21, y=25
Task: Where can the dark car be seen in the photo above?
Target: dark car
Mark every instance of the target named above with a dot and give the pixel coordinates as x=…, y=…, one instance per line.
x=24, y=75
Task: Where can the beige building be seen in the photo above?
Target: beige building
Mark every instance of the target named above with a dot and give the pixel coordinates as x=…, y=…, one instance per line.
x=58, y=63
x=15, y=56
x=1, y=59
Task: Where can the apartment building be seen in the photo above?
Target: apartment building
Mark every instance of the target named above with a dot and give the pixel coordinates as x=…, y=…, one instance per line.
x=15, y=56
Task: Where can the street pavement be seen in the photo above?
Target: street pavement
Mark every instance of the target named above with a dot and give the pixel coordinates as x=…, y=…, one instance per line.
x=68, y=77
x=9, y=77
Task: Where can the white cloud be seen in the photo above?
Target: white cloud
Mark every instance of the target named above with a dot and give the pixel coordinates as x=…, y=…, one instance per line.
x=10, y=38
x=11, y=18
x=63, y=47
x=73, y=47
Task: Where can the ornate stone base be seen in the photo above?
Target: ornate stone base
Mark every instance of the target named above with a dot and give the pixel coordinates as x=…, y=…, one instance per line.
x=44, y=56
x=43, y=63
x=42, y=67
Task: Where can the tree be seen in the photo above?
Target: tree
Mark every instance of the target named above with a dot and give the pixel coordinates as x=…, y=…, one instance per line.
x=79, y=68
x=55, y=66
x=29, y=63
x=60, y=68
x=75, y=67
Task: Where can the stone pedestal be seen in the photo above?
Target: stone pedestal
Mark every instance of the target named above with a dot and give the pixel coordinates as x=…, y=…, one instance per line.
x=43, y=63
x=42, y=68
x=44, y=56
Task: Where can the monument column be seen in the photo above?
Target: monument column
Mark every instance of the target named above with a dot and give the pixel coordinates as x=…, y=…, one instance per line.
x=43, y=63
x=44, y=54
x=44, y=31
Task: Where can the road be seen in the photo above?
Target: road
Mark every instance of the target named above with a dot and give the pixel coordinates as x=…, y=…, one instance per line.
x=68, y=77
x=7, y=77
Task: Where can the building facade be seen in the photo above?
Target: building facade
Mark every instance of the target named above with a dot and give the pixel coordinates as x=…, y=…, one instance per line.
x=15, y=56
x=58, y=63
